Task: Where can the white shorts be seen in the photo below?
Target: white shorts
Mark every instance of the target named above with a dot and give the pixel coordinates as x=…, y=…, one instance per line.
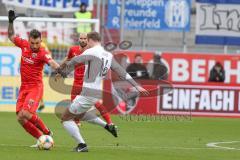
x=82, y=104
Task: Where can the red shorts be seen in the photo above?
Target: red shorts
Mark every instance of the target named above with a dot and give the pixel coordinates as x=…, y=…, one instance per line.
x=76, y=90
x=29, y=97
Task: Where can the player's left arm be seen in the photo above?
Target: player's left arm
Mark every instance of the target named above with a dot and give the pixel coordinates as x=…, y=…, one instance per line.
x=11, y=18
x=53, y=64
x=116, y=67
x=47, y=58
x=56, y=67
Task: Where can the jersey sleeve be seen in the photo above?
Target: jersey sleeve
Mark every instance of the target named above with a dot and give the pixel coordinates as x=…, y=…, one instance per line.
x=47, y=57
x=116, y=67
x=19, y=42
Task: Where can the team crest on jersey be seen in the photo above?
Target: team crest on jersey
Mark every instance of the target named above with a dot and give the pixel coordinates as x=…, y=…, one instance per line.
x=34, y=55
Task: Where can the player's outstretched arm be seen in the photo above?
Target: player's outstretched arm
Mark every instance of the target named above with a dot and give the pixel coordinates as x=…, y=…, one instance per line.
x=54, y=64
x=125, y=76
x=68, y=66
x=79, y=60
x=11, y=18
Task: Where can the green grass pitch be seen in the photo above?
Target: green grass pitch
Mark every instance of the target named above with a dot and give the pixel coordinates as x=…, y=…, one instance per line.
x=160, y=140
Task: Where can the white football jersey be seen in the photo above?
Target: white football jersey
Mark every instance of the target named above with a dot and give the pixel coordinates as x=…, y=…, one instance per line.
x=97, y=68
x=98, y=61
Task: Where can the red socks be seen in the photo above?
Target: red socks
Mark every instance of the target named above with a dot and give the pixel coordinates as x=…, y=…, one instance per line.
x=103, y=112
x=32, y=129
x=39, y=124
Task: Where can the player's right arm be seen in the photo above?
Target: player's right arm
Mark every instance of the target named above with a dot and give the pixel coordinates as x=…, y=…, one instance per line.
x=67, y=67
x=11, y=18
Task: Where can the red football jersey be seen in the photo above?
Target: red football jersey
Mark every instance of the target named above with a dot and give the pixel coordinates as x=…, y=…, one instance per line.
x=79, y=69
x=31, y=62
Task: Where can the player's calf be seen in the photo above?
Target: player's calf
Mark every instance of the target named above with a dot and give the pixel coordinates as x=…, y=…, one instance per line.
x=27, y=125
x=37, y=121
x=103, y=111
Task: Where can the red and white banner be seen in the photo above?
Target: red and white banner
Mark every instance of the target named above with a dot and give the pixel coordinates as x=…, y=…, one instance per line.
x=207, y=99
x=191, y=93
x=196, y=67
x=193, y=67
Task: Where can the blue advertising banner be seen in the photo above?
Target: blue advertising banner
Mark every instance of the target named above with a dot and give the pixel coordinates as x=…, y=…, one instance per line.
x=9, y=61
x=218, y=22
x=150, y=14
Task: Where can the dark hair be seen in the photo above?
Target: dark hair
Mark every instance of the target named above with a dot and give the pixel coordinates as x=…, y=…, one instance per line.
x=83, y=4
x=218, y=64
x=95, y=36
x=156, y=58
x=138, y=55
x=35, y=34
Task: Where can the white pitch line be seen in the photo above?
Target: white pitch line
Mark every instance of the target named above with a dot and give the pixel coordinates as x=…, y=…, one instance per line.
x=216, y=145
x=132, y=147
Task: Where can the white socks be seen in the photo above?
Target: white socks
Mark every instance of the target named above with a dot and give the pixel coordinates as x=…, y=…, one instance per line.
x=73, y=130
x=92, y=118
x=98, y=121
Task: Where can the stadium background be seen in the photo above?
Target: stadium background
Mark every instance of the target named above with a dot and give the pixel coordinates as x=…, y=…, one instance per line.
x=188, y=63
x=187, y=123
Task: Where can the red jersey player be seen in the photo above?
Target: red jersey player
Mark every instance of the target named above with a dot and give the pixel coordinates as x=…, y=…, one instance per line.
x=78, y=81
x=33, y=59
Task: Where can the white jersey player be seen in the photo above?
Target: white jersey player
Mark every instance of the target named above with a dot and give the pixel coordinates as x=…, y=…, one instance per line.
x=97, y=64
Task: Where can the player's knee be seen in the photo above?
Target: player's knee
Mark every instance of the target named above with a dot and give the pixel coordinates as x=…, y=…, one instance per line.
x=26, y=114
x=20, y=117
x=65, y=115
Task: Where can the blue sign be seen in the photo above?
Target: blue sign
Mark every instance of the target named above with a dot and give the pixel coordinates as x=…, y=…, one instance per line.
x=218, y=22
x=150, y=15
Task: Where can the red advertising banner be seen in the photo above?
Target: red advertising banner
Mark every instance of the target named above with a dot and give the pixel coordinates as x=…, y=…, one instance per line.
x=190, y=93
x=196, y=68
x=208, y=99
x=193, y=67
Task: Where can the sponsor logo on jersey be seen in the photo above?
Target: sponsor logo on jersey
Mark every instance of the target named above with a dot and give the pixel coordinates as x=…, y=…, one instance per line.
x=28, y=60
